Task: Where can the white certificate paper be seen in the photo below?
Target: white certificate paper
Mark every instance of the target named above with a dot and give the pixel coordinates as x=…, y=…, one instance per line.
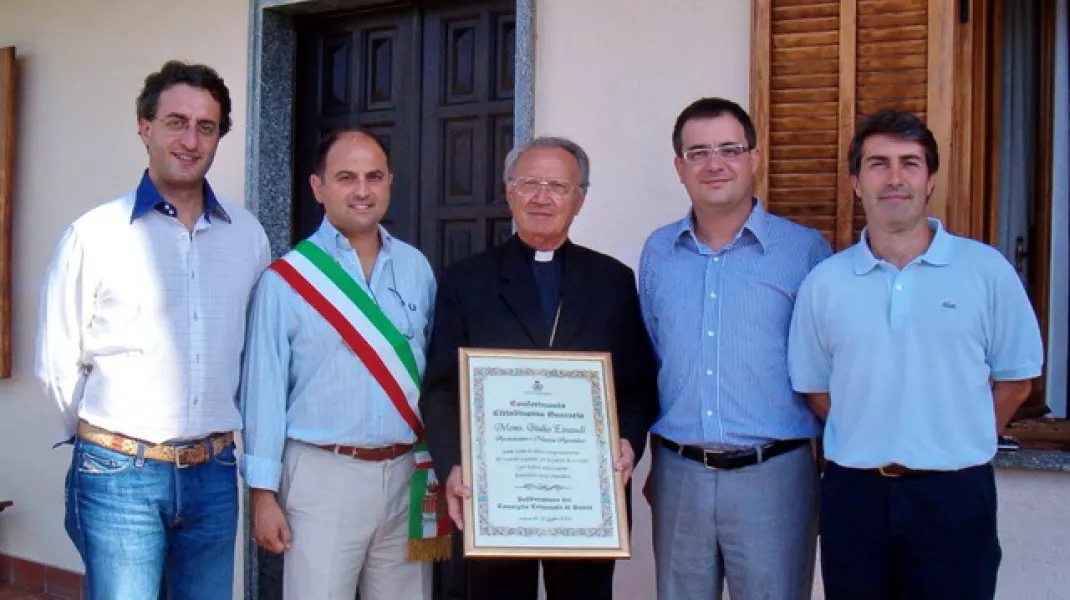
x=540, y=443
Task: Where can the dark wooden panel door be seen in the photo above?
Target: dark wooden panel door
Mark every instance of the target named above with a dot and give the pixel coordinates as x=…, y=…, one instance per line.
x=360, y=70
x=466, y=128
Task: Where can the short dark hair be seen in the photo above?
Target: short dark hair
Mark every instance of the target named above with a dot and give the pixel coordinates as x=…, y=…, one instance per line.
x=323, y=148
x=711, y=108
x=174, y=73
x=895, y=123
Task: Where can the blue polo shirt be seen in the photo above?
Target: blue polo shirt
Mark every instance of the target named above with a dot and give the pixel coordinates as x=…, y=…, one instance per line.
x=907, y=355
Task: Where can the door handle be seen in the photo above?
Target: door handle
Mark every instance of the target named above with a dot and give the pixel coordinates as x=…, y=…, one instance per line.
x=1020, y=254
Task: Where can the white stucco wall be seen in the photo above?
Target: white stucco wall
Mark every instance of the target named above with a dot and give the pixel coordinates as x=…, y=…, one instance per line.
x=81, y=67
x=612, y=74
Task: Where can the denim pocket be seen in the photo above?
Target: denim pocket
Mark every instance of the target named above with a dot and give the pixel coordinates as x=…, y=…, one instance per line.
x=226, y=457
x=91, y=463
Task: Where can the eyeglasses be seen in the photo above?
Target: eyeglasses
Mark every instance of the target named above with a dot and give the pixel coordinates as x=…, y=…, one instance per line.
x=409, y=331
x=176, y=124
x=528, y=187
x=726, y=152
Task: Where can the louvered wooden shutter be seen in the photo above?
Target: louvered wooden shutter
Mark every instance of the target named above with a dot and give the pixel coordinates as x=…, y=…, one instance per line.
x=816, y=67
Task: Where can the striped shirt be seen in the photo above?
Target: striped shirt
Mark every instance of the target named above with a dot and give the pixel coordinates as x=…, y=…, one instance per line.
x=719, y=322
x=301, y=380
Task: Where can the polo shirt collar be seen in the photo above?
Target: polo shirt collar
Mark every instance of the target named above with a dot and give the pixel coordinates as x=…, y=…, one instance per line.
x=938, y=253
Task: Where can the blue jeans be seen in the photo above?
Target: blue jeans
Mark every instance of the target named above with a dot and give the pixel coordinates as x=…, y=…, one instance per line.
x=148, y=529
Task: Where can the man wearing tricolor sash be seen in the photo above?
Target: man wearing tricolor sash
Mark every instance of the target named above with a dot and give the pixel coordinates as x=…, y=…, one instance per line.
x=342, y=481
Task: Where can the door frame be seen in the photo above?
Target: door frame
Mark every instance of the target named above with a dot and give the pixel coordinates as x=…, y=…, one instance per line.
x=269, y=134
x=977, y=68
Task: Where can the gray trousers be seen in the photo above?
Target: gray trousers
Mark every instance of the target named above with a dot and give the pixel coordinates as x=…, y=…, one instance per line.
x=755, y=527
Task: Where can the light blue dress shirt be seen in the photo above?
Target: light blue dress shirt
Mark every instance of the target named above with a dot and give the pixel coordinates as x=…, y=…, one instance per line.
x=301, y=381
x=719, y=323
x=907, y=354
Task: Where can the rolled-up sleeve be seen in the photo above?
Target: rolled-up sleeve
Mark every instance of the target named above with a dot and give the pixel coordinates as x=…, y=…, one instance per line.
x=265, y=384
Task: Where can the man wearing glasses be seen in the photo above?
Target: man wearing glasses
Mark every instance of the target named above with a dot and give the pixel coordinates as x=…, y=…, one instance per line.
x=733, y=480
x=538, y=291
x=142, y=326
x=337, y=335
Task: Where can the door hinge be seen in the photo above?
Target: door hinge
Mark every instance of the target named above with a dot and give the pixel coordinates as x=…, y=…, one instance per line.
x=964, y=11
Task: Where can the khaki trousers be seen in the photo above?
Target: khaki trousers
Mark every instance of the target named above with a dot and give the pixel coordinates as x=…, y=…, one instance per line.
x=349, y=520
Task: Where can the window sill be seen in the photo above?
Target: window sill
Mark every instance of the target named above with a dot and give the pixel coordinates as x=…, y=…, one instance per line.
x=1033, y=460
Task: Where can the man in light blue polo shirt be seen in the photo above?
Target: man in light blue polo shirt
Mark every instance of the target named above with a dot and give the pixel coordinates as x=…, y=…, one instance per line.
x=915, y=346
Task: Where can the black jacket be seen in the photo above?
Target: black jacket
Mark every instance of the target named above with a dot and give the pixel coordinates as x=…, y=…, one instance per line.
x=490, y=301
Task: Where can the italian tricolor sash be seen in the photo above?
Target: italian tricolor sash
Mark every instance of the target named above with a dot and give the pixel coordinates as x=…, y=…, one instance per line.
x=326, y=286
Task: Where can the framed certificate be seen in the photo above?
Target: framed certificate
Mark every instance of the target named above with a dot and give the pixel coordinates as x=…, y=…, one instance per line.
x=539, y=439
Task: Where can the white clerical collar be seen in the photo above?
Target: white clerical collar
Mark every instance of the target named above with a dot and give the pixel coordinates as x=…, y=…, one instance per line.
x=544, y=255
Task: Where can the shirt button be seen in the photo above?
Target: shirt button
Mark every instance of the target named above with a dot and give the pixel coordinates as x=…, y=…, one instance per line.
x=193, y=275
x=197, y=359
x=194, y=316
x=709, y=413
x=716, y=259
x=898, y=287
x=196, y=400
x=709, y=334
x=709, y=371
x=712, y=295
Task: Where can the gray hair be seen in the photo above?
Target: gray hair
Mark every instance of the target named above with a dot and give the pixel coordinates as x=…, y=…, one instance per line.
x=550, y=142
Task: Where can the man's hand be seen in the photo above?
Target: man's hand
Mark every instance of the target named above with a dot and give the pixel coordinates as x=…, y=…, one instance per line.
x=626, y=462
x=270, y=530
x=456, y=491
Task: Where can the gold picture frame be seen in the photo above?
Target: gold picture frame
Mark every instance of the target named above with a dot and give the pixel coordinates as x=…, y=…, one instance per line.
x=7, y=191
x=539, y=441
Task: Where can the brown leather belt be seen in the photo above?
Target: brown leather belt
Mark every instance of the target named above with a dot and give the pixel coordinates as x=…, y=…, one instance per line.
x=182, y=454
x=368, y=454
x=898, y=470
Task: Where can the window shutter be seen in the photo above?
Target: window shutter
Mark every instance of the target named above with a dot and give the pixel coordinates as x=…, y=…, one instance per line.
x=819, y=66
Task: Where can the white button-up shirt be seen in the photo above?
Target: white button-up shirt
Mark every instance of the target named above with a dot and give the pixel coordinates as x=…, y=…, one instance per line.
x=142, y=322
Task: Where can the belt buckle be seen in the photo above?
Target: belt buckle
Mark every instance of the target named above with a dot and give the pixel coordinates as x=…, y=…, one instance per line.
x=178, y=457
x=886, y=473
x=706, y=454
x=178, y=450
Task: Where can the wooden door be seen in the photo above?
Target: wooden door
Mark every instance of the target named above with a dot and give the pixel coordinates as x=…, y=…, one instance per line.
x=435, y=82
x=466, y=128
x=362, y=70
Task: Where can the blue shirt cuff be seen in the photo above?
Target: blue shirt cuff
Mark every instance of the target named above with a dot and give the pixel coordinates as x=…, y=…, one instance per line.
x=810, y=388
x=261, y=473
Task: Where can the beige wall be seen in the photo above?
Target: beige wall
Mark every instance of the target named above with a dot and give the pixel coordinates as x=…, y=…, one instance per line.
x=82, y=64
x=611, y=74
